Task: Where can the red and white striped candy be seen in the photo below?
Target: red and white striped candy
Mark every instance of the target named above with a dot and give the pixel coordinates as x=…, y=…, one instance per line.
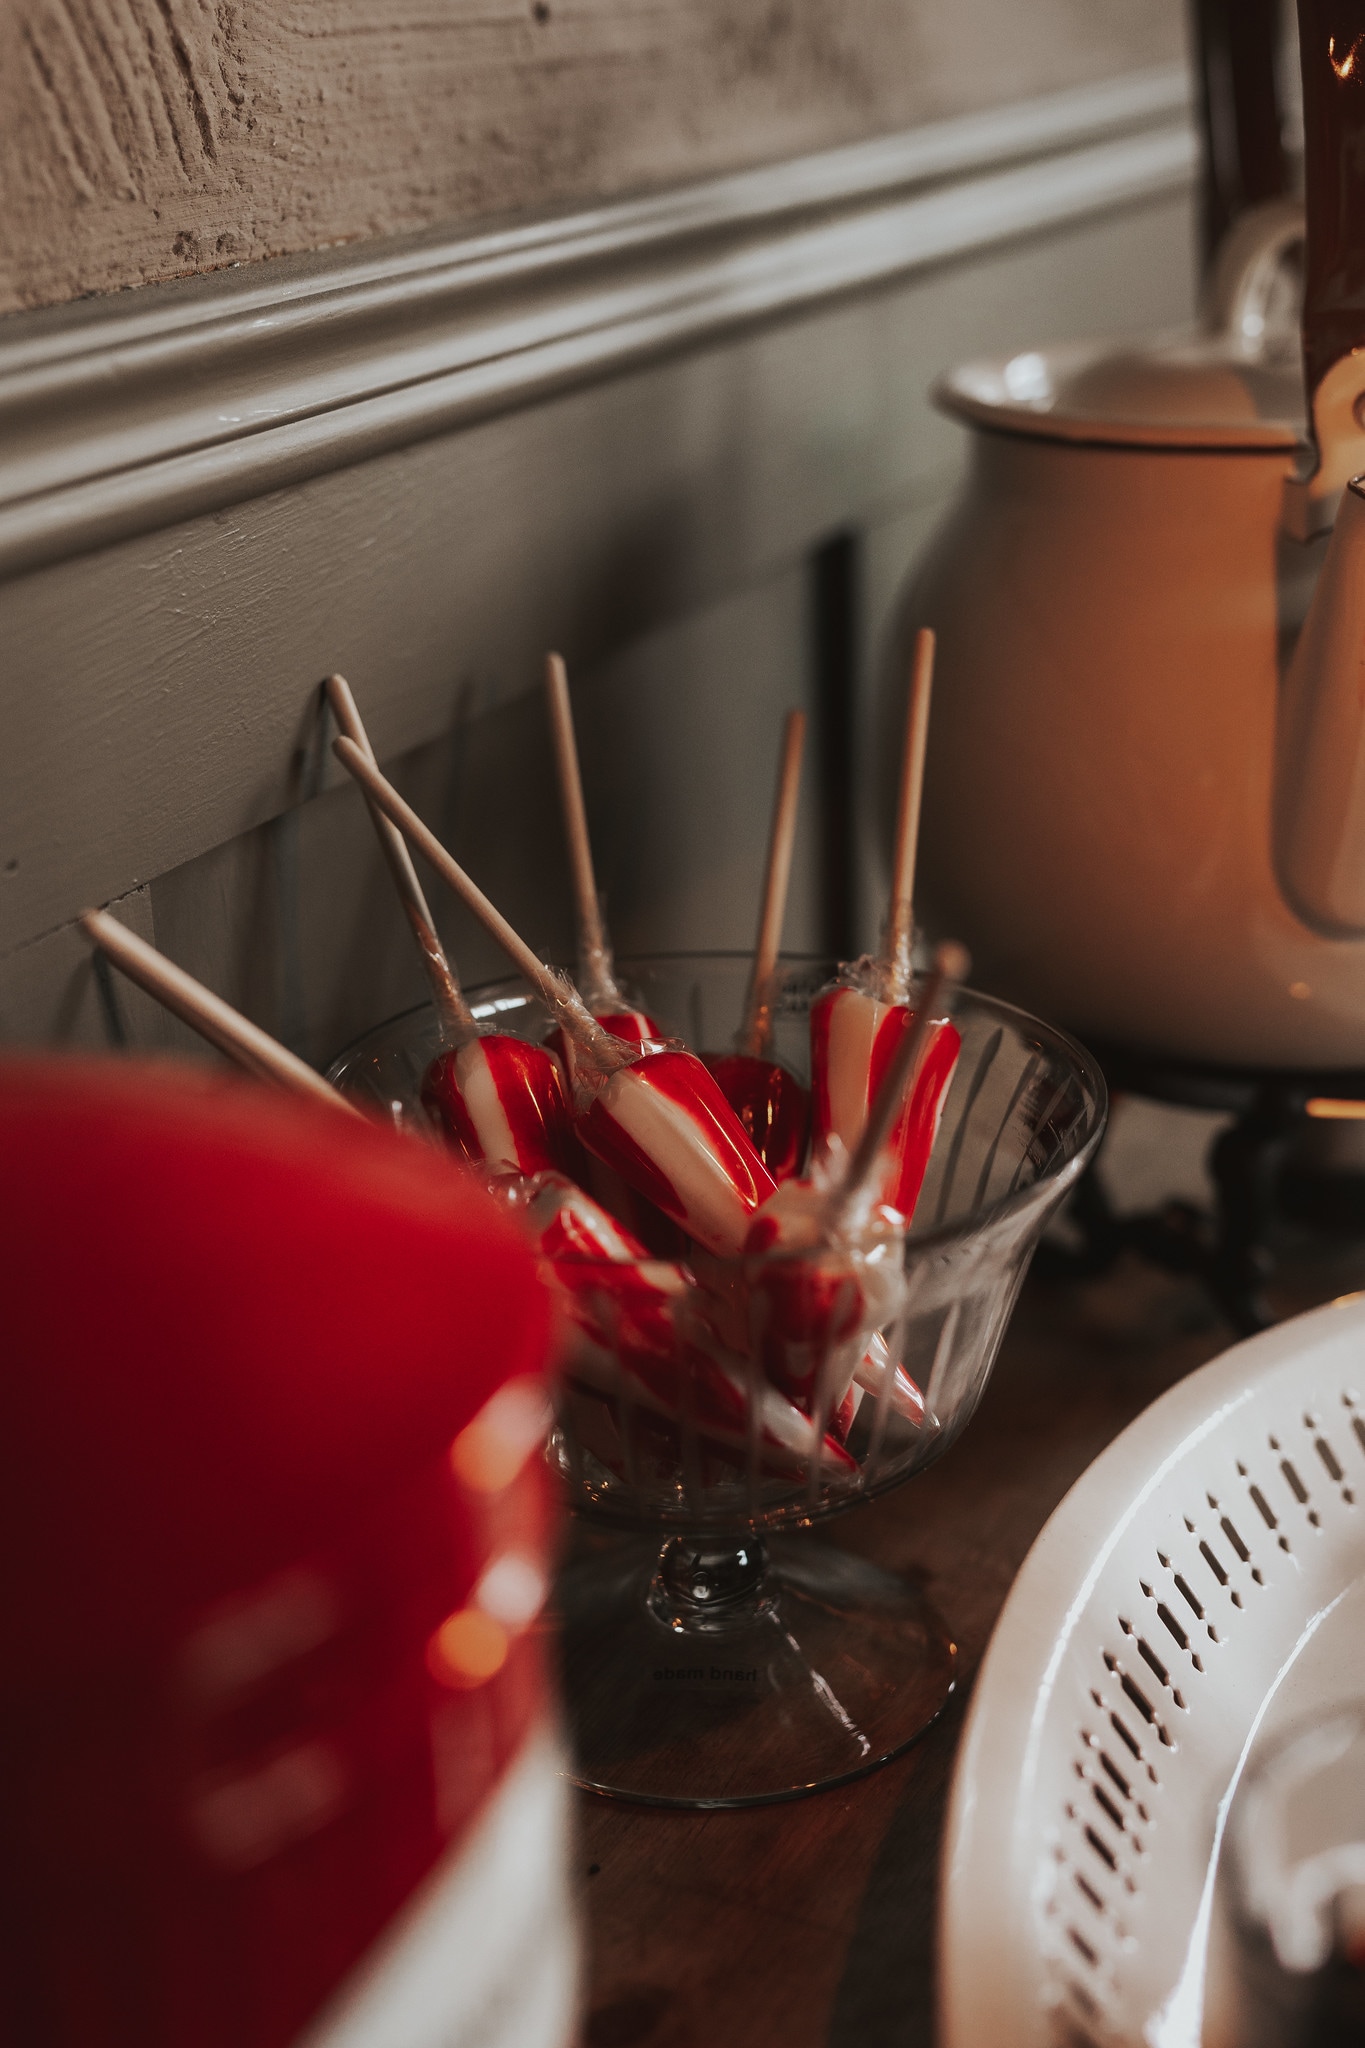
x=853, y=1041
x=815, y=1303
x=770, y=1103
x=627, y=1337
x=656, y=1231
x=501, y=1103
x=614, y=1292
x=665, y=1127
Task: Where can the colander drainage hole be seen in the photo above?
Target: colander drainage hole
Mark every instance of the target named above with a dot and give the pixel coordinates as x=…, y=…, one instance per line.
x=1114, y=1774
x=1125, y=1734
x=1107, y=1806
x=1087, y=2006
x=1263, y=1508
x=1130, y=1741
x=1155, y=1665
x=1073, y=2035
x=1168, y=1621
x=1079, y=1941
x=1139, y=1699
x=1102, y=1849
x=1329, y=1459
x=1177, y=1633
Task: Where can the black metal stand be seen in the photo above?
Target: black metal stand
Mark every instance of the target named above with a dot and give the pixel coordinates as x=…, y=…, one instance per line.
x=1231, y=1249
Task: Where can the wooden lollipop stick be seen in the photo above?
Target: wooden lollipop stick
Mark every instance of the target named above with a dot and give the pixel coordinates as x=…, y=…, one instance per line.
x=900, y=921
x=451, y=1007
x=596, y=981
x=781, y=839
x=951, y=965
x=556, y=992
x=208, y=1014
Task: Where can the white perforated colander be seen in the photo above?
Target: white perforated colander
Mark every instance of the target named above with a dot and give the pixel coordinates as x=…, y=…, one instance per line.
x=1200, y=1587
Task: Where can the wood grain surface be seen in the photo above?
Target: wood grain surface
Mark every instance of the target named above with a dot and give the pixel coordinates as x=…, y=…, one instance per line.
x=811, y=1925
x=145, y=139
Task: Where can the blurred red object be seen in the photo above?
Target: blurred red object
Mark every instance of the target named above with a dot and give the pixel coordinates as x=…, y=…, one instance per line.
x=275, y=1525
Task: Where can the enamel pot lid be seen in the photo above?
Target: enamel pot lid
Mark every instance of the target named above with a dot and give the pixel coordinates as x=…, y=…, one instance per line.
x=1234, y=383
x=1172, y=391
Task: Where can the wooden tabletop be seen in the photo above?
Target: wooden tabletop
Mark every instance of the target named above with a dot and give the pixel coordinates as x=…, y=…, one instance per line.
x=811, y=1924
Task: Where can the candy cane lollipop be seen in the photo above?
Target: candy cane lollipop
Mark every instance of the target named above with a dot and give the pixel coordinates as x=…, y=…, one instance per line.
x=596, y=973
x=857, y=1026
x=770, y=1103
x=498, y=1101
x=656, y=1116
x=816, y=1310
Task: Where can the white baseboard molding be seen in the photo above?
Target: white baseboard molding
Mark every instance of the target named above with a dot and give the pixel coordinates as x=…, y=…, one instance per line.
x=122, y=415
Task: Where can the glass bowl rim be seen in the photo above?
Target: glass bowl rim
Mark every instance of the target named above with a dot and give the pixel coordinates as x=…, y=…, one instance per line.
x=980, y=1221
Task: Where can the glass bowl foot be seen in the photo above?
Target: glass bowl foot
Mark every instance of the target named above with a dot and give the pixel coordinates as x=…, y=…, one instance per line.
x=717, y=1673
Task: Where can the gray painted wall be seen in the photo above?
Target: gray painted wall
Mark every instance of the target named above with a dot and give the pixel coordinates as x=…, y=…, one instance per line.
x=163, y=744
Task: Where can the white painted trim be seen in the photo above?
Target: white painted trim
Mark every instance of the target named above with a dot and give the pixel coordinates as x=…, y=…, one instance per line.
x=128, y=413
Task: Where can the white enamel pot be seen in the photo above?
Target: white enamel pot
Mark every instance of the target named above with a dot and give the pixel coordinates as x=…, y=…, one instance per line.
x=1137, y=826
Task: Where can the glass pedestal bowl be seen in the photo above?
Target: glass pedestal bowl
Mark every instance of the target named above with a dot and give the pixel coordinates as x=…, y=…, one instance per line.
x=716, y=1652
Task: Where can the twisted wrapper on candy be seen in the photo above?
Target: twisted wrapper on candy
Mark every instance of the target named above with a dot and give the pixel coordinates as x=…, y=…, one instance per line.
x=632, y=1027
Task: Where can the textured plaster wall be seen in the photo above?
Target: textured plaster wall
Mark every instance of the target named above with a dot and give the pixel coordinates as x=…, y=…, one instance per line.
x=144, y=139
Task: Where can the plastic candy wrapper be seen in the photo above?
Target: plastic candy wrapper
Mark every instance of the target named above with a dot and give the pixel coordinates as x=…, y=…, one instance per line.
x=632, y=1027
